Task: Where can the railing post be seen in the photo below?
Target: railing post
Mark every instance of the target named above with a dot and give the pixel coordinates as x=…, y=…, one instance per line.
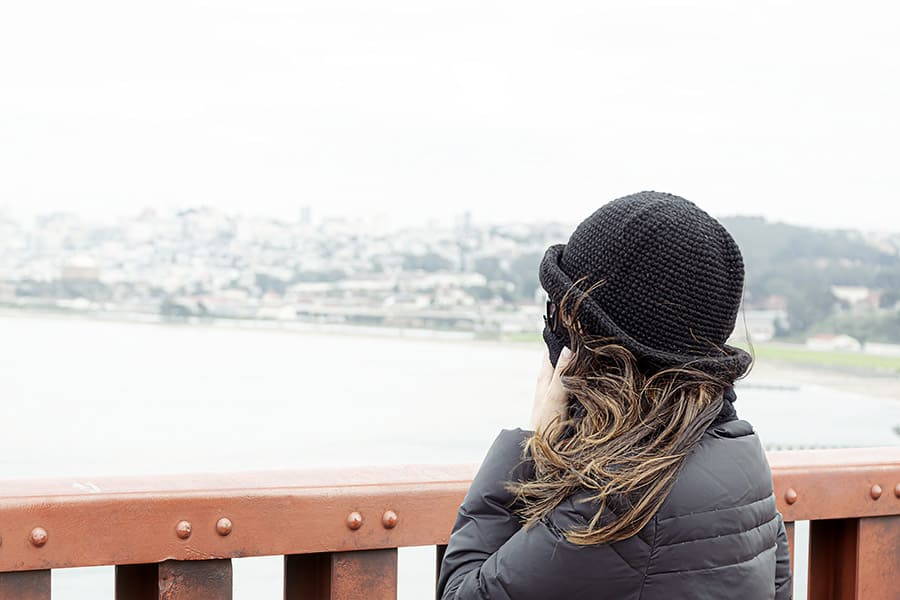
x=832, y=559
x=878, y=558
x=25, y=585
x=175, y=580
x=137, y=582
x=370, y=574
x=854, y=558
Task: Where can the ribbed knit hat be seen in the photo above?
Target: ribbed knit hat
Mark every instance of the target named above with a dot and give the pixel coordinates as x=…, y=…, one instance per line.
x=672, y=283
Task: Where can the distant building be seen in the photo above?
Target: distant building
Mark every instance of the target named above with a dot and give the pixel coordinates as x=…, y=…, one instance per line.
x=774, y=302
x=851, y=294
x=464, y=222
x=7, y=291
x=759, y=323
x=80, y=268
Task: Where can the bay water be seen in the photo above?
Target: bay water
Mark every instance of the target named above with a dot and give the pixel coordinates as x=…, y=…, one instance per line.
x=86, y=398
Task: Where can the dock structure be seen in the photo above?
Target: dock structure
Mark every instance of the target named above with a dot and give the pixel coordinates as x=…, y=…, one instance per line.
x=173, y=537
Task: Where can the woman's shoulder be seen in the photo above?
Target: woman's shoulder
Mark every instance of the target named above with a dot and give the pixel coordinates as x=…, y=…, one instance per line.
x=727, y=470
x=724, y=490
x=721, y=512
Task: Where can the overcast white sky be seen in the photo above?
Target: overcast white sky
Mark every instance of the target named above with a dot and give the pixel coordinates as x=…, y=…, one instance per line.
x=420, y=108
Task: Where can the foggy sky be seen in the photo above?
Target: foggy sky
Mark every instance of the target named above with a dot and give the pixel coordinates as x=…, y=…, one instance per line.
x=519, y=110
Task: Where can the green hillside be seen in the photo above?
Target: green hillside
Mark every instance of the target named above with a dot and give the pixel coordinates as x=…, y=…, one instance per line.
x=801, y=265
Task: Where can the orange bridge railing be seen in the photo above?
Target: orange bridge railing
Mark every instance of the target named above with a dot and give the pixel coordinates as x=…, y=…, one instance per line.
x=172, y=537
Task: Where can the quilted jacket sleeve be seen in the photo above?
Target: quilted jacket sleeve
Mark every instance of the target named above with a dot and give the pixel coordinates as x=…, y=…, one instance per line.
x=485, y=521
x=490, y=556
x=784, y=581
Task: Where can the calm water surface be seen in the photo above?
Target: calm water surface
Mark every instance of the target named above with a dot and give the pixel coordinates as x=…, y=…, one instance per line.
x=101, y=398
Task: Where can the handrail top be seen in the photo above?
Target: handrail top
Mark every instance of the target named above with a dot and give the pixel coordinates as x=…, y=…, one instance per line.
x=241, y=481
x=849, y=458
x=96, y=521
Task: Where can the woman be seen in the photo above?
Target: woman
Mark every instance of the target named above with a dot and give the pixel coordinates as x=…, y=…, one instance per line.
x=638, y=480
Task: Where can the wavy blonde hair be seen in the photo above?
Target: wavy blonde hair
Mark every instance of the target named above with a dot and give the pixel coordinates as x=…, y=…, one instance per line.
x=629, y=430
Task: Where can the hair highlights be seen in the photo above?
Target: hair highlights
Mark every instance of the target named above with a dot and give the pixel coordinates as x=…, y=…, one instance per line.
x=629, y=429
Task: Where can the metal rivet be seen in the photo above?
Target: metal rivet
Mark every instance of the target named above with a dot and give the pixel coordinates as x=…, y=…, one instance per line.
x=790, y=496
x=38, y=536
x=875, y=492
x=897, y=490
x=389, y=519
x=354, y=520
x=183, y=529
x=223, y=526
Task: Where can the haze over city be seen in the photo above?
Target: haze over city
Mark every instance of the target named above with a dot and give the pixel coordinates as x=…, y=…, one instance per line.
x=778, y=109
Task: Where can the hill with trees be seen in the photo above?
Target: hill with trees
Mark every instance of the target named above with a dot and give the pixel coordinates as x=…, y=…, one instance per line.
x=806, y=270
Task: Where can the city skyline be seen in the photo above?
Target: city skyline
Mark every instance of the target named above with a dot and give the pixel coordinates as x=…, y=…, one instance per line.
x=205, y=263
x=384, y=219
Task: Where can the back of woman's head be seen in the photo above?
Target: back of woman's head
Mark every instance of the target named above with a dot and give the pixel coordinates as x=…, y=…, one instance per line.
x=645, y=295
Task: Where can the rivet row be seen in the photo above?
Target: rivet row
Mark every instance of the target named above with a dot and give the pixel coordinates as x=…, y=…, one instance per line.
x=389, y=520
x=183, y=529
x=224, y=526
x=875, y=492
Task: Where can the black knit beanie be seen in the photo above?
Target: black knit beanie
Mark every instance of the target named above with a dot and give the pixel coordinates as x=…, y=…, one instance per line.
x=672, y=279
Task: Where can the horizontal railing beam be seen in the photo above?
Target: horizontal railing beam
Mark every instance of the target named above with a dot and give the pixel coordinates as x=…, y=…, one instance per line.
x=125, y=521
x=837, y=484
x=145, y=529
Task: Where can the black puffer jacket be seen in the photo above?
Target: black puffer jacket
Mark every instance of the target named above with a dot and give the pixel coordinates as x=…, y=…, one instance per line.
x=718, y=535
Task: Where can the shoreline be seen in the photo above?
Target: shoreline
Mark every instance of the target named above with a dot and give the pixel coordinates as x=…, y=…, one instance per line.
x=240, y=324
x=873, y=382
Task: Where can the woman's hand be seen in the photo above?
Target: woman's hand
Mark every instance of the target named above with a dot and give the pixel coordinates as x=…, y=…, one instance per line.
x=550, y=399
